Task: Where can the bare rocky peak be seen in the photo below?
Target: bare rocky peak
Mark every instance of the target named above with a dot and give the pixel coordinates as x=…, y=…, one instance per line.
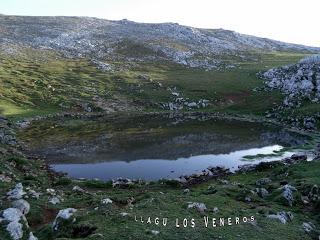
x=103, y=39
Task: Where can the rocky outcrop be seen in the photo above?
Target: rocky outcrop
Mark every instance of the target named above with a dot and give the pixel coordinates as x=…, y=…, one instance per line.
x=299, y=82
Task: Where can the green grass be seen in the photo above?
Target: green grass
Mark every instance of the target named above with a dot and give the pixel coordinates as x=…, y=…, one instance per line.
x=20, y=111
x=31, y=87
x=169, y=201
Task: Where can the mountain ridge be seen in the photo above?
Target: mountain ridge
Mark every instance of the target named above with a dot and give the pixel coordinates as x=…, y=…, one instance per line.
x=127, y=40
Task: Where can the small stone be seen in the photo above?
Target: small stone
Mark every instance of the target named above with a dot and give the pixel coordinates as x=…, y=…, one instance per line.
x=23, y=124
x=201, y=207
x=32, y=237
x=54, y=200
x=181, y=180
x=187, y=190
x=288, y=193
x=51, y=191
x=22, y=205
x=305, y=200
x=263, y=181
x=4, y=178
x=122, y=182
x=106, y=201
x=64, y=214
x=308, y=227
x=314, y=193
x=15, y=230
x=78, y=189
x=17, y=192
x=248, y=199
x=224, y=181
x=262, y=192
x=155, y=232
x=283, y=217
x=34, y=194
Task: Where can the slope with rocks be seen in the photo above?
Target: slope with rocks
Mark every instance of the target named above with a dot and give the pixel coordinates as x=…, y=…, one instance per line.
x=104, y=39
x=298, y=81
x=80, y=64
x=300, y=84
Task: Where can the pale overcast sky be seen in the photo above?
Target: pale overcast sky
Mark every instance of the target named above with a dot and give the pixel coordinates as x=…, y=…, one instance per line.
x=295, y=21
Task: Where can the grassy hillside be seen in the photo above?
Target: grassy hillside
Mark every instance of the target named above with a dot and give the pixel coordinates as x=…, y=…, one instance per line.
x=42, y=83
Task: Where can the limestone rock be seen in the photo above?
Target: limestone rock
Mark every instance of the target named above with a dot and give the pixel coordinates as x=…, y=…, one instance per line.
x=262, y=192
x=263, y=181
x=283, y=217
x=65, y=214
x=122, y=182
x=200, y=207
x=308, y=227
x=187, y=190
x=15, y=230
x=106, y=201
x=78, y=189
x=22, y=205
x=54, y=200
x=287, y=193
x=17, y=192
x=32, y=237
x=16, y=221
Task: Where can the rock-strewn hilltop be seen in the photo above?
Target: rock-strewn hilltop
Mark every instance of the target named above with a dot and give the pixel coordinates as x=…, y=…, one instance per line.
x=104, y=39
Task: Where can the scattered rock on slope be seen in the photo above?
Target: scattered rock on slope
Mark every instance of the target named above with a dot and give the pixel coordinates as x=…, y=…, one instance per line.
x=299, y=81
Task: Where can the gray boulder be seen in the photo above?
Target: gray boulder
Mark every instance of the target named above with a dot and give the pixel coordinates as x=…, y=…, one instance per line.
x=283, y=217
x=32, y=237
x=262, y=192
x=287, y=193
x=308, y=227
x=63, y=215
x=17, y=192
x=263, y=181
x=16, y=221
x=200, y=207
x=22, y=205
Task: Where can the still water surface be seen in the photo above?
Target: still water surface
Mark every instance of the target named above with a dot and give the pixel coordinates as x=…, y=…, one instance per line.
x=153, y=147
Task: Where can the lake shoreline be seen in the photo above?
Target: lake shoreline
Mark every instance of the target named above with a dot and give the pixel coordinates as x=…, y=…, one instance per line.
x=182, y=115
x=136, y=198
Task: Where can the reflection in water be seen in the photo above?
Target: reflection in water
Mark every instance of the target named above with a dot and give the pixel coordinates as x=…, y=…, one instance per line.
x=161, y=168
x=152, y=147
